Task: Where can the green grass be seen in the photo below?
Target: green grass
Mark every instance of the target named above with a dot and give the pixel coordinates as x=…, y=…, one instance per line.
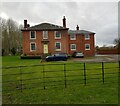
x=95, y=92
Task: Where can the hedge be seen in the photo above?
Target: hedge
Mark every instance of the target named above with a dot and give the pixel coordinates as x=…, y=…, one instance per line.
x=30, y=57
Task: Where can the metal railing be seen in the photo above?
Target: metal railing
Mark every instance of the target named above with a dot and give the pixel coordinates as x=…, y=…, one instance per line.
x=44, y=76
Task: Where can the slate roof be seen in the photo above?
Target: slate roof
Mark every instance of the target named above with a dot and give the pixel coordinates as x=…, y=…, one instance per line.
x=80, y=32
x=46, y=26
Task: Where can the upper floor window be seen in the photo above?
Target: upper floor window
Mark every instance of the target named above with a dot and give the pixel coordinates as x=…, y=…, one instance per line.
x=45, y=34
x=57, y=35
x=73, y=37
x=57, y=46
x=32, y=35
x=32, y=46
x=87, y=36
x=87, y=46
x=73, y=46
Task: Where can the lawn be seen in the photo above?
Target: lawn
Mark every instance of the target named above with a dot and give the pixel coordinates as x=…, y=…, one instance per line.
x=70, y=82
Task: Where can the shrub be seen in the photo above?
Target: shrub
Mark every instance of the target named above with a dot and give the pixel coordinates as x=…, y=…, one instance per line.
x=3, y=51
x=30, y=57
x=13, y=50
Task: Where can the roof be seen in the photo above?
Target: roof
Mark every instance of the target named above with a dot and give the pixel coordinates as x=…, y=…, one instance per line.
x=80, y=32
x=46, y=26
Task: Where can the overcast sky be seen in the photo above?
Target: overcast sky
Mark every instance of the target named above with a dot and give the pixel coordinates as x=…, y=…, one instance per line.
x=98, y=17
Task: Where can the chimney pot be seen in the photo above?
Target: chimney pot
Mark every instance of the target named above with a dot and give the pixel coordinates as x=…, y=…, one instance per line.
x=77, y=28
x=28, y=25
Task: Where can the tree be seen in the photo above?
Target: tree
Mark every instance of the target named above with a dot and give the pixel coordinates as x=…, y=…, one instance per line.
x=117, y=42
x=11, y=35
x=96, y=47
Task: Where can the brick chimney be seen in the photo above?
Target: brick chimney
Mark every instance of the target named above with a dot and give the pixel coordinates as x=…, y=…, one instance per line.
x=77, y=28
x=25, y=24
x=64, y=22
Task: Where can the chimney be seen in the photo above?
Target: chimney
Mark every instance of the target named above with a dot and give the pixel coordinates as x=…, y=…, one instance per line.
x=77, y=28
x=25, y=23
x=64, y=22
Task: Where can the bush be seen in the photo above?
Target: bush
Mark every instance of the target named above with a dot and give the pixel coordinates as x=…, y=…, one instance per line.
x=3, y=51
x=13, y=50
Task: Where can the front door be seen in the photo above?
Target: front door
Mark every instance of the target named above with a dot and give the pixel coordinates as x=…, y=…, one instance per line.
x=45, y=48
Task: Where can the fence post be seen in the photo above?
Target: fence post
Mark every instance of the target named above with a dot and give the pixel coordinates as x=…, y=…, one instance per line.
x=119, y=72
x=85, y=74
x=43, y=76
x=20, y=78
x=65, y=75
x=119, y=67
x=103, y=72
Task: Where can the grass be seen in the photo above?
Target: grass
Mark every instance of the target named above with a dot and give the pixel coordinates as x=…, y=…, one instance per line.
x=95, y=92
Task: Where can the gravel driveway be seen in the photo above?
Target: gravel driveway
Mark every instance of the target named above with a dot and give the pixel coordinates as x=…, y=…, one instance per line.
x=99, y=58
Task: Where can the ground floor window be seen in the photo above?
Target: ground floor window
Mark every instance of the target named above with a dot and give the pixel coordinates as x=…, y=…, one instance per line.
x=58, y=46
x=72, y=46
x=32, y=46
x=87, y=46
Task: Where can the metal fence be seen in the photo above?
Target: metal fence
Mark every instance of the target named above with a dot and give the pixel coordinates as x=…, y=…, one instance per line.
x=44, y=76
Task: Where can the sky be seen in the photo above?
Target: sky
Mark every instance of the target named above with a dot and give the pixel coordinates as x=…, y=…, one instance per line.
x=98, y=17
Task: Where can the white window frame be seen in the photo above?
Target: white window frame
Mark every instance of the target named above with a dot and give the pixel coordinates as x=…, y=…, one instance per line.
x=30, y=34
x=55, y=35
x=88, y=37
x=86, y=48
x=71, y=47
x=56, y=48
x=44, y=34
x=30, y=46
x=73, y=38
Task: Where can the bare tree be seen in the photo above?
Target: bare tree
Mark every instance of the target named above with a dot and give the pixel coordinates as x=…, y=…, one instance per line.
x=11, y=35
x=117, y=42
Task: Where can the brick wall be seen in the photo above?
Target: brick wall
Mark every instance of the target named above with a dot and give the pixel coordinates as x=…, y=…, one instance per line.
x=90, y=52
x=40, y=42
x=80, y=45
x=108, y=51
x=65, y=43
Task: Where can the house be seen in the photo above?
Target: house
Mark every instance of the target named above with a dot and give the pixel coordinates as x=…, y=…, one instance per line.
x=47, y=38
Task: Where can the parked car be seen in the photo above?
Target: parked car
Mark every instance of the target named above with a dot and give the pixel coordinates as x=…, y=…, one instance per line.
x=78, y=55
x=57, y=57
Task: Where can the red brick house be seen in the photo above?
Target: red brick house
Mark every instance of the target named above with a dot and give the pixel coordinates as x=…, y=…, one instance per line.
x=49, y=38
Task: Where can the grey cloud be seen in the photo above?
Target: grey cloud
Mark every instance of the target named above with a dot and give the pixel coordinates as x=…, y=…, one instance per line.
x=100, y=17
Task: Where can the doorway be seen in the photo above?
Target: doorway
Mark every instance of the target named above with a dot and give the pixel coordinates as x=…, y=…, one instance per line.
x=45, y=48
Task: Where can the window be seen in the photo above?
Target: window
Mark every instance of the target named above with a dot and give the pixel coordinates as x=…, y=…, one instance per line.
x=45, y=34
x=58, y=46
x=73, y=37
x=87, y=46
x=87, y=37
x=32, y=46
x=73, y=46
x=32, y=35
x=57, y=35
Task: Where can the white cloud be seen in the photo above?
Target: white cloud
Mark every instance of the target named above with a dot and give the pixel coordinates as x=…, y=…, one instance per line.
x=4, y=15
